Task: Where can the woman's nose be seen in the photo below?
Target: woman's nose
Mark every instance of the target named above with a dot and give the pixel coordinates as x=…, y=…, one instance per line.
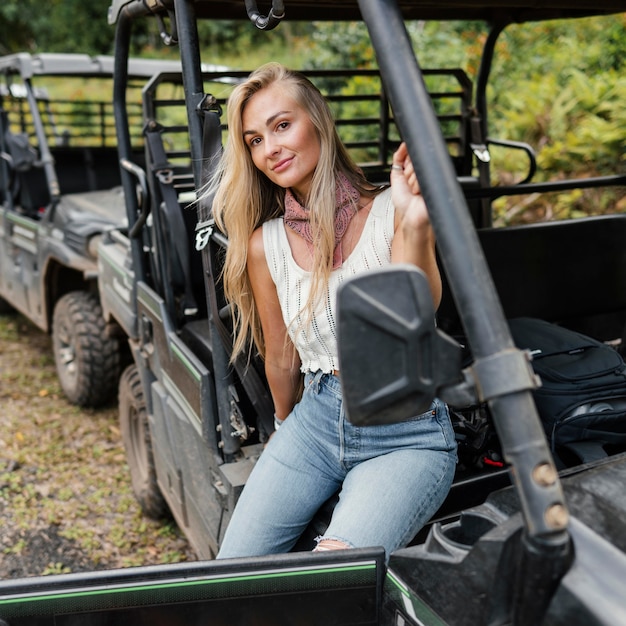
x=271, y=146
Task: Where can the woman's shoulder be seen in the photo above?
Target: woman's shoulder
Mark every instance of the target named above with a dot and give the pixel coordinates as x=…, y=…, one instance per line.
x=256, y=247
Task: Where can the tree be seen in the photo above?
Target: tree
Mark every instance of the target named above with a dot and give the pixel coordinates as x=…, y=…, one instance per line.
x=16, y=29
x=55, y=26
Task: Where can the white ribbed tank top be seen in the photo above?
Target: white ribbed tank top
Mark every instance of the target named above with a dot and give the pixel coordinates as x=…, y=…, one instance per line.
x=316, y=338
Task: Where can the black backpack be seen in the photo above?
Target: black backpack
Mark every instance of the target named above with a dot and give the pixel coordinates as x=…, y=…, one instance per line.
x=582, y=399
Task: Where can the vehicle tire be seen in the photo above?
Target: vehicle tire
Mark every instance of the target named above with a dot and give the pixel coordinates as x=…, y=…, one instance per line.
x=87, y=361
x=138, y=445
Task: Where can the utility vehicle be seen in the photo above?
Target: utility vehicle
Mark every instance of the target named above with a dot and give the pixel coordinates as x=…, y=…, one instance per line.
x=60, y=189
x=516, y=542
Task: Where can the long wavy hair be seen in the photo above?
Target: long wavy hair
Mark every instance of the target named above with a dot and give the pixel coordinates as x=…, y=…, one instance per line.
x=245, y=198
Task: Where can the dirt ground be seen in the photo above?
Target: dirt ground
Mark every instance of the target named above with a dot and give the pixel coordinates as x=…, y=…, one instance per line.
x=66, y=503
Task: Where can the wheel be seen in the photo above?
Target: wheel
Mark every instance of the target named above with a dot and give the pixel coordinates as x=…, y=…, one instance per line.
x=87, y=361
x=138, y=445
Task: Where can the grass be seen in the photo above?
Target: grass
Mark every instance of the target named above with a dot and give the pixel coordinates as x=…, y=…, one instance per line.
x=63, y=474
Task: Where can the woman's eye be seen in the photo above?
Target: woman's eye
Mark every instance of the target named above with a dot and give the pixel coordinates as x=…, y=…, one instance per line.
x=283, y=125
x=255, y=141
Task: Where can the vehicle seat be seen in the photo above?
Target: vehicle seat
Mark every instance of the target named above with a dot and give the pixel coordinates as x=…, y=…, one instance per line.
x=30, y=187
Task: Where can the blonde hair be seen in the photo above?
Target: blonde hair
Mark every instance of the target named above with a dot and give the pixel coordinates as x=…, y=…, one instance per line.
x=245, y=198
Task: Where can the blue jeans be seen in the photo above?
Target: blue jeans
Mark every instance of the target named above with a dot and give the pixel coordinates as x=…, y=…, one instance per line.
x=392, y=478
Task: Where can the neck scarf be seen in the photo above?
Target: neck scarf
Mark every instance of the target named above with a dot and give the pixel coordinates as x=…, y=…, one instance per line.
x=346, y=199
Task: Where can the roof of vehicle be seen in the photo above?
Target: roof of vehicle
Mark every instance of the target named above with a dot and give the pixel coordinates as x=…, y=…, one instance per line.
x=330, y=10
x=58, y=64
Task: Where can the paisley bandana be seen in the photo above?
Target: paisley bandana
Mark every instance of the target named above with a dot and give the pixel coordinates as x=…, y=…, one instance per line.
x=297, y=217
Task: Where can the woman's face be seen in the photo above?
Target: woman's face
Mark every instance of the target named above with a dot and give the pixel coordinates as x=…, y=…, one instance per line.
x=282, y=140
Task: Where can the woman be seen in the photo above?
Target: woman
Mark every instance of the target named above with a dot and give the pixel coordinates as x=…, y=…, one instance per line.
x=300, y=219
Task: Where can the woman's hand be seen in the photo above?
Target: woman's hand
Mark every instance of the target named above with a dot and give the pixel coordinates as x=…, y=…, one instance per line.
x=414, y=240
x=406, y=193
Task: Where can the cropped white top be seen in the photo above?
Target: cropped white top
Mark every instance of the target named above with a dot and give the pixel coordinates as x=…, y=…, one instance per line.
x=315, y=337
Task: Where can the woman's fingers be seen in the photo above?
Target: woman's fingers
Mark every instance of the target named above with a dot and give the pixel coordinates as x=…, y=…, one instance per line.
x=403, y=166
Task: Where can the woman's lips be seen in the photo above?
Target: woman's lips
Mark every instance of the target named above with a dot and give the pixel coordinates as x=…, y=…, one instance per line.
x=282, y=165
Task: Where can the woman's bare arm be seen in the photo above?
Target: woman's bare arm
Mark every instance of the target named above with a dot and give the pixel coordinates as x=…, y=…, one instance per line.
x=282, y=364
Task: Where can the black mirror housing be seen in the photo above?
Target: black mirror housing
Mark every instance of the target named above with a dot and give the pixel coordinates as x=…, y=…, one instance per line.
x=393, y=359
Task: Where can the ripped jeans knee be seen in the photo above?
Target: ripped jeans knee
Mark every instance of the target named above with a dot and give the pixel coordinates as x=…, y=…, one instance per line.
x=325, y=544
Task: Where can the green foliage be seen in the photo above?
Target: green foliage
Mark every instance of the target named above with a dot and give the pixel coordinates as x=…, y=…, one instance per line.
x=555, y=85
x=563, y=97
x=17, y=26
x=448, y=44
x=436, y=44
x=567, y=101
x=590, y=115
x=55, y=26
x=340, y=45
x=225, y=40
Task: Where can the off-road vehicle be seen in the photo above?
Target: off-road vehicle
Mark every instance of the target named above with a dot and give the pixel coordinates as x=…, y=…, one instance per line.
x=516, y=542
x=60, y=189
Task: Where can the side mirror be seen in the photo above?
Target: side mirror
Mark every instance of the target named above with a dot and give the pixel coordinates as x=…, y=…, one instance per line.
x=393, y=360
